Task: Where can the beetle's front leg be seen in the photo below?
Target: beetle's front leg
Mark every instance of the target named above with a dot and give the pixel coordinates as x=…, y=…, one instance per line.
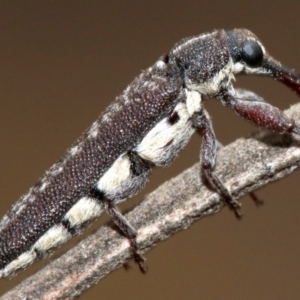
x=208, y=150
x=254, y=109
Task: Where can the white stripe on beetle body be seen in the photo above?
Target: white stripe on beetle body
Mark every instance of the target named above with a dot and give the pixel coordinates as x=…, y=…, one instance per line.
x=84, y=210
x=116, y=175
x=54, y=237
x=19, y=263
x=163, y=142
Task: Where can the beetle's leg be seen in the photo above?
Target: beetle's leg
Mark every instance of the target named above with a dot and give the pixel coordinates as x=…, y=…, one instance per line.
x=254, y=109
x=256, y=200
x=208, y=149
x=128, y=231
x=122, y=224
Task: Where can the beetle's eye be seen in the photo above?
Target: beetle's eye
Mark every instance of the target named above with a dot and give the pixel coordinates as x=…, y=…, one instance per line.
x=252, y=53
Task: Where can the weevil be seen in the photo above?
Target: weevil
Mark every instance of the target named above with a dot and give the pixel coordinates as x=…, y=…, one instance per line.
x=146, y=126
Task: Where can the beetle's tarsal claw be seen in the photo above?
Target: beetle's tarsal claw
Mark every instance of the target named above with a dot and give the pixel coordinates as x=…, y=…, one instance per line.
x=143, y=266
x=141, y=261
x=238, y=212
x=137, y=256
x=256, y=200
x=236, y=207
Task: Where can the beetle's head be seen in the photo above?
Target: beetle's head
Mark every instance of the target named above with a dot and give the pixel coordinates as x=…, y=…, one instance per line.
x=250, y=57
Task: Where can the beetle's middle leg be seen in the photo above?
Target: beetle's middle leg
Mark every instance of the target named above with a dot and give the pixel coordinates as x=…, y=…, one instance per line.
x=255, y=199
x=202, y=123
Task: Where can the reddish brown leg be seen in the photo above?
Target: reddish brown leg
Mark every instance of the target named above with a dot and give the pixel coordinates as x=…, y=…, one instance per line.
x=256, y=200
x=207, y=158
x=254, y=109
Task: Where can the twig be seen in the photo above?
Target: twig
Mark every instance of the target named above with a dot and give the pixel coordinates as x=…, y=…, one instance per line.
x=245, y=165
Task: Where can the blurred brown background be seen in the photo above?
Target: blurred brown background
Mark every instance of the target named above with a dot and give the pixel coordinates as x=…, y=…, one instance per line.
x=62, y=62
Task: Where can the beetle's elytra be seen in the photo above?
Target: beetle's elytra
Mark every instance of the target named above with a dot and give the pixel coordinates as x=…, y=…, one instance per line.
x=146, y=126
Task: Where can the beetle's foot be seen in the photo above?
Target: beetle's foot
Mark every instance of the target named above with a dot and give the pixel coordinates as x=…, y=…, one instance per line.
x=256, y=200
x=236, y=207
x=138, y=257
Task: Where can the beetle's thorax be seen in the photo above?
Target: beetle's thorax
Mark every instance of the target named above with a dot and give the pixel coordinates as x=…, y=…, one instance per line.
x=205, y=61
x=211, y=88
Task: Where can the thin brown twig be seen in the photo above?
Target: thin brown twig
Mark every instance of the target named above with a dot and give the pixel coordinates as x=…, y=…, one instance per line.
x=245, y=165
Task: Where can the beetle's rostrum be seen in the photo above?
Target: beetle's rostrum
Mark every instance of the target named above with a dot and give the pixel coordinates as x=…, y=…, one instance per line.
x=146, y=126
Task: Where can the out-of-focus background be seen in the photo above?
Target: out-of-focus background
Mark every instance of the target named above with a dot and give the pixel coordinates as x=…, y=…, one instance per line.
x=62, y=62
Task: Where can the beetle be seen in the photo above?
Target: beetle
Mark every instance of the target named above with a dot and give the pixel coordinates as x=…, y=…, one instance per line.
x=146, y=126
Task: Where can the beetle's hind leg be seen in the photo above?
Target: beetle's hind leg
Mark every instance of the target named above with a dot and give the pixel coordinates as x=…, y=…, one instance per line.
x=121, y=222
x=128, y=231
x=125, y=177
x=202, y=123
